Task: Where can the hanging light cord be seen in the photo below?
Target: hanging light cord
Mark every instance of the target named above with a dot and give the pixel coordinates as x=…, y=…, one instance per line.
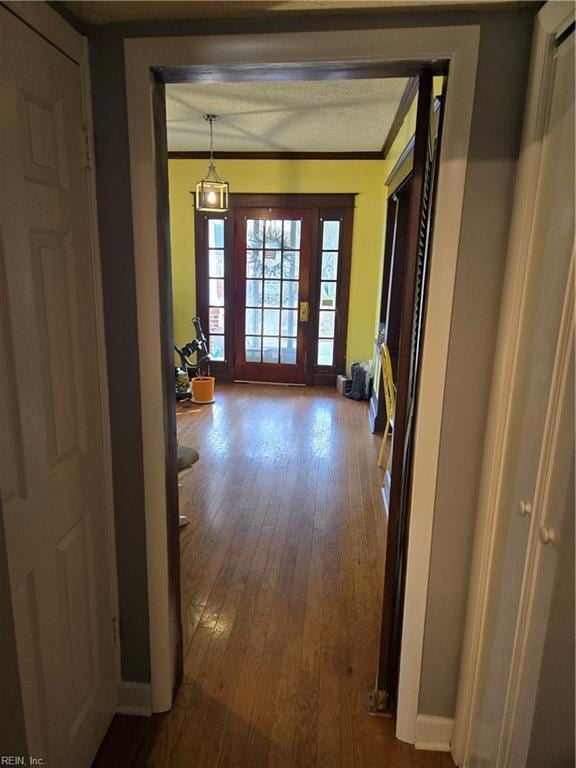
x=211, y=120
x=212, y=173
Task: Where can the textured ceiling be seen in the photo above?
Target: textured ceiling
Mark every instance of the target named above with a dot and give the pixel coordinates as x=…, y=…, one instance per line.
x=300, y=116
x=112, y=11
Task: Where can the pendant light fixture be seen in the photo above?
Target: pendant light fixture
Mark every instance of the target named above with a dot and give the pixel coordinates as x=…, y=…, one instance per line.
x=211, y=191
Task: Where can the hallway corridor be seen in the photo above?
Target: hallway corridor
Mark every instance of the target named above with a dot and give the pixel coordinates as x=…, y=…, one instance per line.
x=282, y=570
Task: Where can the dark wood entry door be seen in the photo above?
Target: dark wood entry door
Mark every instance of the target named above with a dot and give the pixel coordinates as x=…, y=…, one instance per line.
x=272, y=303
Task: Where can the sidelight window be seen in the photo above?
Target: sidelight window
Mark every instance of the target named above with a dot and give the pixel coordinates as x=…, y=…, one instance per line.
x=216, y=309
x=330, y=257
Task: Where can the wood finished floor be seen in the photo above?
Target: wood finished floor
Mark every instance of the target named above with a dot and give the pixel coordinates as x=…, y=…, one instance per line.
x=282, y=572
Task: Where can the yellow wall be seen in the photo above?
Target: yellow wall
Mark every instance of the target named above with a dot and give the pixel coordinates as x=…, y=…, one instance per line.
x=366, y=178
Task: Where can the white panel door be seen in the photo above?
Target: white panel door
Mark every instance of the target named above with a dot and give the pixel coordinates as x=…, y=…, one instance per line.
x=52, y=467
x=551, y=257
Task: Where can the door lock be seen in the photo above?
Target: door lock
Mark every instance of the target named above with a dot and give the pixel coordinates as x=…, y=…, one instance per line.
x=304, y=311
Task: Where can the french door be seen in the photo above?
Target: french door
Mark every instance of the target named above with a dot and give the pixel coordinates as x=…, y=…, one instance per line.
x=272, y=306
x=272, y=286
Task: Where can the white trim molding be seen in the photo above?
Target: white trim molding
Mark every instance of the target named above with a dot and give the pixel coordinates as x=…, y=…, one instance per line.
x=458, y=45
x=134, y=699
x=434, y=733
x=51, y=26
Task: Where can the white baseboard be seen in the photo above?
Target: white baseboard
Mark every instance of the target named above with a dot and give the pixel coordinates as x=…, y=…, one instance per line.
x=134, y=699
x=434, y=733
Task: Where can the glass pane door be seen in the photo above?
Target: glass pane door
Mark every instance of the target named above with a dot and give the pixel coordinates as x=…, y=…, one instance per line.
x=270, y=256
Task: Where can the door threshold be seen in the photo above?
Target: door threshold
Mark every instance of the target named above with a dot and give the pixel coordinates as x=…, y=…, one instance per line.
x=268, y=383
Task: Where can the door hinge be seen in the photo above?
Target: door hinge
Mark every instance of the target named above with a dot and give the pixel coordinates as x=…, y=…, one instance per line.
x=114, y=632
x=88, y=148
x=378, y=702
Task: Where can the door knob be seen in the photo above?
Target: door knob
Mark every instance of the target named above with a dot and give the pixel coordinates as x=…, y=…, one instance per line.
x=304, y=311
x=525, y=508
x=547, y=535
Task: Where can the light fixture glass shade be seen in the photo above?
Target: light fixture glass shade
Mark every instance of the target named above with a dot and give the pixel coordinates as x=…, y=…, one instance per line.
x=212, y=192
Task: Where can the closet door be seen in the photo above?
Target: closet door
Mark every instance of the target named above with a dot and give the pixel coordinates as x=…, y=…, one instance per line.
x=52, y=459
x=538, y=451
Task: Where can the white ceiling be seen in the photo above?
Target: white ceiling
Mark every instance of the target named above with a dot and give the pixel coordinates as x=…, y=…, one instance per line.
x=299, y=116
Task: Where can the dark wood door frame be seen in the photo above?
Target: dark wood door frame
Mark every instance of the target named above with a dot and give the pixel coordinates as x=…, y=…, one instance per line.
x=397, y=272
x=322, y=206
x=391, y=290
x=420, y=218
x=388, y=668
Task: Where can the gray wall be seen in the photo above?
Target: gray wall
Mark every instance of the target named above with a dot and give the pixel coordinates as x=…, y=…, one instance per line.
x=117, y=253
x=497, y=116
x=12, y=726
x=552, y=738
x=497, y=122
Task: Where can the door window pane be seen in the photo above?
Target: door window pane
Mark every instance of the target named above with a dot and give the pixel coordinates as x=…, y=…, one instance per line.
x=274, y=233
x=216, y=318
x=272, y=293
x=289, y=322
x=254, y=263
x=252, y=349
x=325, y=351
x=216, y=263
x=290, y=294
x=270, y=349
x=272, y=322
x=253, y=322
x=216, y=292
x=253, y=293
x=272, y=261
x=328, y=296
x=288, y=351
x=331, y=235
x=215, y=233
x=254, y=233
x=326, y=324
x=329, y=265
x=216, y=346
x=292, y=230
x=291, y=265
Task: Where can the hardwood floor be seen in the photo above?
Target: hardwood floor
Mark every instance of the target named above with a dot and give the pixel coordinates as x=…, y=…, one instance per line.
x=282, y=572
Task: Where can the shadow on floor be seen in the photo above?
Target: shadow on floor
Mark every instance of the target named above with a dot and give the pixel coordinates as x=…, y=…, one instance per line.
x=172, y=739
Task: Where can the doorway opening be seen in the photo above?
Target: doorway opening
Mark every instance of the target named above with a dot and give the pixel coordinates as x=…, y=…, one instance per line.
x=230, y=58
x=272, y=284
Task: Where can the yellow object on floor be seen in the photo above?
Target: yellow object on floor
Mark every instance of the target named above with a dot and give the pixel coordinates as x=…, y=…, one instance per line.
x=390, y=399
